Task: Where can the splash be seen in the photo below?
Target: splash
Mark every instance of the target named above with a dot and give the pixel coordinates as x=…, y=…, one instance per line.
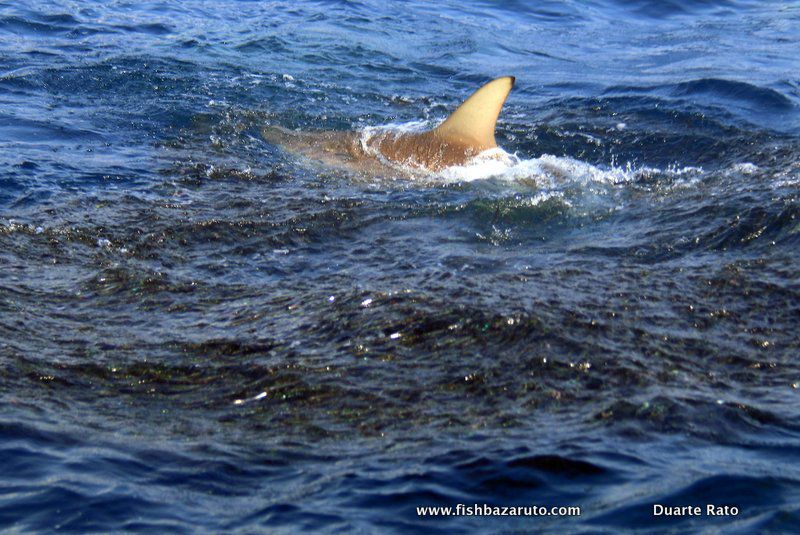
x=548, y=171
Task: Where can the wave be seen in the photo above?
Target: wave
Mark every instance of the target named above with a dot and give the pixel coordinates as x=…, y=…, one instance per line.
x=752, y=95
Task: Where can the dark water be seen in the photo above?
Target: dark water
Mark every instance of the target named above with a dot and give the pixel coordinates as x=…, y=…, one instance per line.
x=199, y=331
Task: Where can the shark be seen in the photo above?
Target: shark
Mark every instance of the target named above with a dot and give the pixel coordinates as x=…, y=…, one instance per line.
x=469, y=132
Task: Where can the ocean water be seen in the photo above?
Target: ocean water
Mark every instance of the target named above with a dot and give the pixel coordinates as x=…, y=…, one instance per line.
x=202, y=332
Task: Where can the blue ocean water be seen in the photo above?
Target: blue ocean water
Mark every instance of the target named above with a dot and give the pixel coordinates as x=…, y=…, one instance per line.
x=202, y=332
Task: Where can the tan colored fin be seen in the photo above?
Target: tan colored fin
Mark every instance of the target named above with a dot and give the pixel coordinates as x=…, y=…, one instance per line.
x=473, y=123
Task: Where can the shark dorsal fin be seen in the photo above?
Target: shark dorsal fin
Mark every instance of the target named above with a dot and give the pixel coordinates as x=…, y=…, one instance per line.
x=473, y=123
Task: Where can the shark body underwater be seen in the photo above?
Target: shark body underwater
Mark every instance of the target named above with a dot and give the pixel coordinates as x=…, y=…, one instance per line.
x=465, y=135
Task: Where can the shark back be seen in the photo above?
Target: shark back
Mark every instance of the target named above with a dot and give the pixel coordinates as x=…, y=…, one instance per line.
x=464, y=135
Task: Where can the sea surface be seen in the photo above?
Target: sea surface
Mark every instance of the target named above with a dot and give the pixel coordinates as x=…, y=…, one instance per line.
x=200, y=332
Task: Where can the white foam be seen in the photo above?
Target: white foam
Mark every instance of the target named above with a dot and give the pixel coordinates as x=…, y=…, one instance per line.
x=488, y=164
x=745, y=168
x=546, y=170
